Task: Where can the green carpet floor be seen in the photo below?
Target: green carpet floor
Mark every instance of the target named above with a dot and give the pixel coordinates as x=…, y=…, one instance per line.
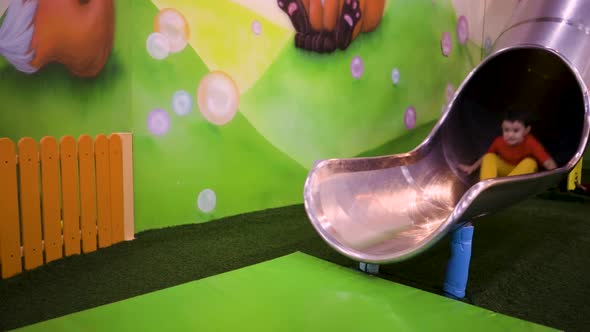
x=296, y=292
x=530, y=261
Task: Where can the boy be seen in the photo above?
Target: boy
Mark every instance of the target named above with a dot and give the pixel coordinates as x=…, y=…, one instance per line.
x=516, y=152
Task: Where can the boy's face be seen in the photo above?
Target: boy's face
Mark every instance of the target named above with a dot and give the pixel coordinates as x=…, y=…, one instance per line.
x=514, y=131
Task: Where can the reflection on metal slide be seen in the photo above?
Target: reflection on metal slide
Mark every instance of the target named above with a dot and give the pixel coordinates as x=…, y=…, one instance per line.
x=390, y=208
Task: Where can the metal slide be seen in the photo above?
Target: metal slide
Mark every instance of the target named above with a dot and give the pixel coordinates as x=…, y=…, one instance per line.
x=390, y=208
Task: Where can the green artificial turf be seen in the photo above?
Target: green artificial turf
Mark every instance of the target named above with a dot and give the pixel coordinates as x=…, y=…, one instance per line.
x=529, y=261
x=312, y=298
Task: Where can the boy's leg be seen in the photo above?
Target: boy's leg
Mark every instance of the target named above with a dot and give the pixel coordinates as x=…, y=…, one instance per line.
x=504, y=168
x=493, y=166
x=457, y=272
x=489, y=167
x=526, y=166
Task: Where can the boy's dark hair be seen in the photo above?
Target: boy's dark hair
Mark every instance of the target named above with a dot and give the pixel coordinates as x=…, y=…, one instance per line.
x=513, y=115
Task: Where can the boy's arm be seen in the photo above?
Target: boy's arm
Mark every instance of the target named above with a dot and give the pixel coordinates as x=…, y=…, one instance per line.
x=492, y=149
x=541, y=154
x=550, y=164
x=477, y=163
x=470, y=168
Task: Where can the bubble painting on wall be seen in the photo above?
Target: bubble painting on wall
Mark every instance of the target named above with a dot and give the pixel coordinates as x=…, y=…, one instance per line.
x=231, y=101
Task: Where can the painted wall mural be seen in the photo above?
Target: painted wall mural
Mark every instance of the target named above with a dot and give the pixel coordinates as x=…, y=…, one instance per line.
x=77, y=34
x=232, y=101
x=64, y=68
x=323, y=26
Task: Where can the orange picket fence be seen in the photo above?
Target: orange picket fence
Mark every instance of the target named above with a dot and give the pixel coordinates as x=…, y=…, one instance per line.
x=63, y=198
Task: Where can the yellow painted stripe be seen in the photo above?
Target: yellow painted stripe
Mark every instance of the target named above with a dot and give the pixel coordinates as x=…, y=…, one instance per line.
x=221, y=34
x=87, y=193
x=9, y=215
x=103, y=188
x=51, y=199
x=30, y=200
x=70, y=195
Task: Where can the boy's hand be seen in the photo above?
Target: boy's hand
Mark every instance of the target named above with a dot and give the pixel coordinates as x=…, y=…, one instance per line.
x=550, y=164
x=466, y=168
